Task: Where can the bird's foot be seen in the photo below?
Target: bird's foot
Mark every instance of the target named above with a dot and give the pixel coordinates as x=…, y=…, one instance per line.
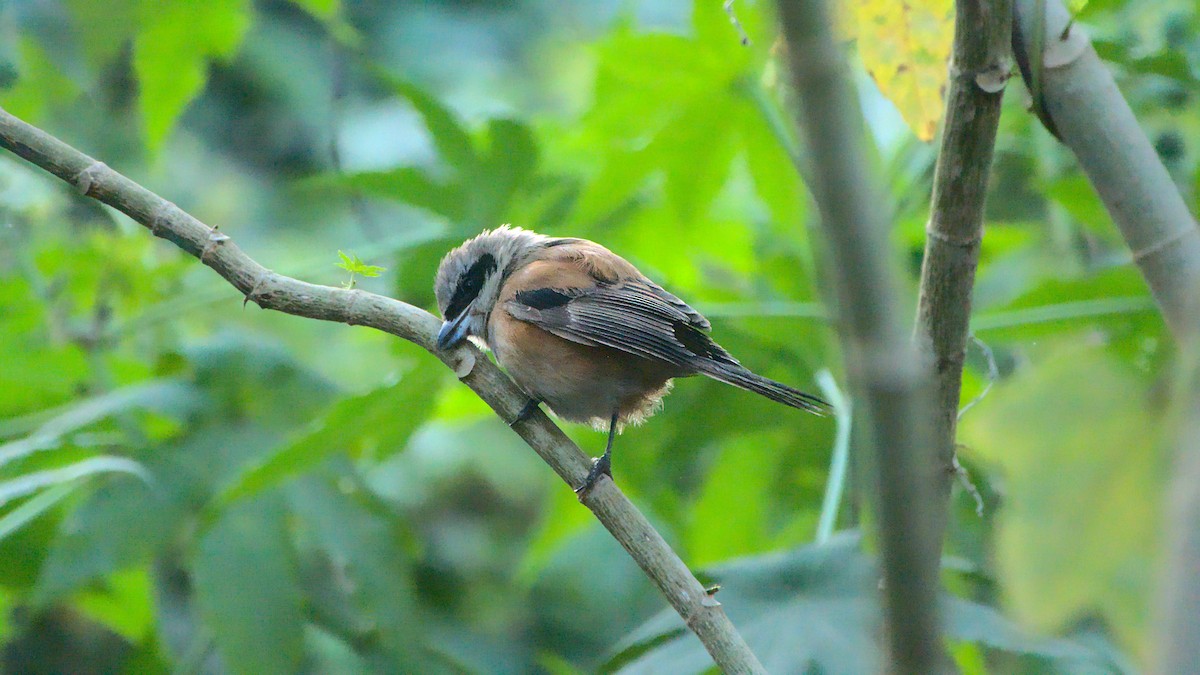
x=526, y=412
x=601, y=466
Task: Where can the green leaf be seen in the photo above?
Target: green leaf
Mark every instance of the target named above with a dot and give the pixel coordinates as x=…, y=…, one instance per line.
x=248, y=591
x=364, y=550
x=104, y=28
x=28, y=483
x=322, y=9
x=767, y=160
x=508, y=167
x=729, y=517
x=39, y=84
x=451, y=139
x=167, y=397
x=1100, y=479
x=117, y=525
x=124, y=604
x=172, y=53
x=46, y=373
x=562, y=520
x=354, y=265
x=378, y=423
x=696, y=151
x=409, y=185
x=34, y=507
x=816, y=609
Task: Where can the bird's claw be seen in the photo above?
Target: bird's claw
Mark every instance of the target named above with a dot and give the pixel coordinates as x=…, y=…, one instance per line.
x=526, y=412
x=601, y=466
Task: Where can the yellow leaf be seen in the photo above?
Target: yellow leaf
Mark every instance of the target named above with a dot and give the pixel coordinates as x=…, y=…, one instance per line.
x=905, y=46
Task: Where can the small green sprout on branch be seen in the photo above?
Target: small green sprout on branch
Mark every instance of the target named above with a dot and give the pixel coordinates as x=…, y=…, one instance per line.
x=354, y=265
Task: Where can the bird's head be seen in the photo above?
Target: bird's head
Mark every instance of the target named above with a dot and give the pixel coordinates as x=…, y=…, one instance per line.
x=469, y=279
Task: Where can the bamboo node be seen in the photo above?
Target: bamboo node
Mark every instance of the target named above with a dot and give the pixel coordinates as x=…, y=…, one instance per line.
x=1164, y=243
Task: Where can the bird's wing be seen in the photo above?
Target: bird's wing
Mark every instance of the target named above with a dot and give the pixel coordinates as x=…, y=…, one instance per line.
x=637, y=317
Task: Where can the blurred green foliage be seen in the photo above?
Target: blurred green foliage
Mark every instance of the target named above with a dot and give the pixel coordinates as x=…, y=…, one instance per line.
x=196, y=486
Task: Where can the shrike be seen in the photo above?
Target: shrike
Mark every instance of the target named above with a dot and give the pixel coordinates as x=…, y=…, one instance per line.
x=581, y=329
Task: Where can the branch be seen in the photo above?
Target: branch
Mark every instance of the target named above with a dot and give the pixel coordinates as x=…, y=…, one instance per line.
x=979, y=69
x=885, y=373
x=702, y=614
x=1077, y=98
x=1178, y=648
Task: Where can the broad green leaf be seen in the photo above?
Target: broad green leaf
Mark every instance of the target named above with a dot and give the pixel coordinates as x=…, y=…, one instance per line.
x=104, y=28
x=256, y=383
x=508, y=166
x=37, y=505
x=163, y=396
x=405, y=184
x=695, y=151
x=117, y=525
x=1114, y=302
x=322, y=9
x=331, y=655
x=124, y=603
x=172, y=52
x=1074, y=536
x=28, y=483
x=1078, y=198
x=729, y=517
x=255, y=396
x=451, y=139
x=815, y=609
x=376, y=424
x=39, y=84
x=766, y=149
x=46, y=374
x=905, y=47
x=248, y=591
x=367, y=554
x=562, y=520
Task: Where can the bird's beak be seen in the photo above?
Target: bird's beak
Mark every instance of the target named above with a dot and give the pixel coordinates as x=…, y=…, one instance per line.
x=453, y=332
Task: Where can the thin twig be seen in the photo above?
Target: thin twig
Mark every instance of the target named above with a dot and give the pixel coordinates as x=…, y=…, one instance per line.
x=269, y=290
x=736, y=24
x=964, y=479
x=993, y=374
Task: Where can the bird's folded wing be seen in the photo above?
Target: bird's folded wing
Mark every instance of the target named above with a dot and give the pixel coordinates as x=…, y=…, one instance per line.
x=635, y=317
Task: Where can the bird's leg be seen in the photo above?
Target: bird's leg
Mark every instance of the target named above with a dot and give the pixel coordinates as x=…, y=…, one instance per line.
x=527, y=411
x=602, y=465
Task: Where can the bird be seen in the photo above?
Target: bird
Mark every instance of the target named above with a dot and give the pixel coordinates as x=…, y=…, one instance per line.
x=580, y=329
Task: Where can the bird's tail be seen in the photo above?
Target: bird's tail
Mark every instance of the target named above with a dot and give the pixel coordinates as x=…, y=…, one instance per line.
x=739, y=376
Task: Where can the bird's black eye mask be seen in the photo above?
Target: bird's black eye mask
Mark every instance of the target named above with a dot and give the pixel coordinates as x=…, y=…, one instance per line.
x=469, y=285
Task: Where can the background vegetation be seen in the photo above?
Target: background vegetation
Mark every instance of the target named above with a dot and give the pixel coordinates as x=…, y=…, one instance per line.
x=407, y=529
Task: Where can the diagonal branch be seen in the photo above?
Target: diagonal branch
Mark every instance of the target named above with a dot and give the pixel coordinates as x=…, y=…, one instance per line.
x=979, y=69
x=702, y=614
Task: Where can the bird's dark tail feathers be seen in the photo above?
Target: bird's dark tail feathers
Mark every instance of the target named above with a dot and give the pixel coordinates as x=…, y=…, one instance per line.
x=739, y=376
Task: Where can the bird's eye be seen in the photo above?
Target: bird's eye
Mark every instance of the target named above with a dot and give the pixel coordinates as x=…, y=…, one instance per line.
x=469, y=285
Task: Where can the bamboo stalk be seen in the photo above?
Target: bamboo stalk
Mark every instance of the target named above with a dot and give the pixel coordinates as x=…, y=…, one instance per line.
x=888, y=381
